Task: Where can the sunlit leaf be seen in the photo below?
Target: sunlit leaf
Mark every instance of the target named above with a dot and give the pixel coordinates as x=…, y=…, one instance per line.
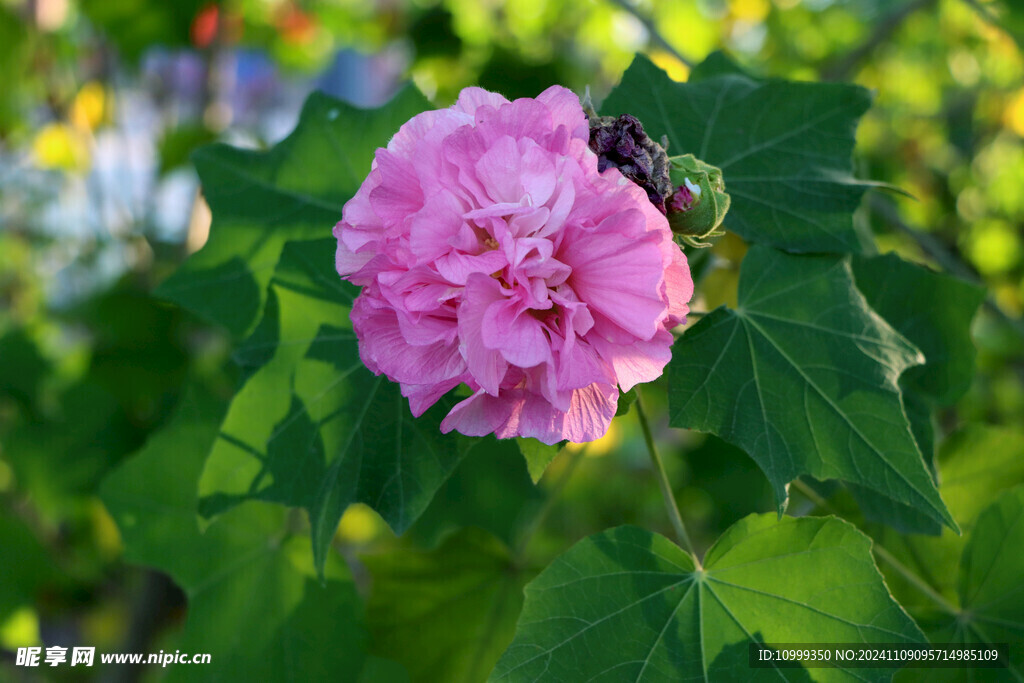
x=538, y=455
x=627, y=604
x=803, y=376
x=783, y=147
x=976, y=465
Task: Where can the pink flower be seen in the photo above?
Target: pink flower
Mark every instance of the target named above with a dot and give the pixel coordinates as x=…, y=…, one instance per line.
x=492, y=253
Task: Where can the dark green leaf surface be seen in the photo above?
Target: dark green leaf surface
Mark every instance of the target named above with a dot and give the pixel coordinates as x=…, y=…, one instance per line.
x=628, y=605
x=803, y=376
x=446, y=614
x=490, y=489
x=29, y=570
x=783, y=147
x=260, y=200
x=254, y=601
x=934, y=312
x=313, y=428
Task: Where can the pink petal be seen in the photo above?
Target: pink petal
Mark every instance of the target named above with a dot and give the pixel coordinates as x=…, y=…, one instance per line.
x=456, y=267
x=485, y=364
x=637, y=362
x=383, y=349
x=399, y=195
x=678, y=287
x=345, y=261
x=478, y=415
x=433, y=227
x=537, y=177
x=566, y=110
x=471, y=99
x=515, y=333
x=619, y=278
x=591, y=413
x=498, y=171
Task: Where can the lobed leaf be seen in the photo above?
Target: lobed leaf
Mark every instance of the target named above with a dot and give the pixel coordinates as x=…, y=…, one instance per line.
x=803, y=375
x=783, y=147
x=628, y=604
x=312, y=427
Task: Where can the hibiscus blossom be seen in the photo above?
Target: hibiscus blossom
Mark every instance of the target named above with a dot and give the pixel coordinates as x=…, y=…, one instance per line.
x=492, y=253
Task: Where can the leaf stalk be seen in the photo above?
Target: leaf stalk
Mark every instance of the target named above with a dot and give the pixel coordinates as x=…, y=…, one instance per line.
x=662, y=477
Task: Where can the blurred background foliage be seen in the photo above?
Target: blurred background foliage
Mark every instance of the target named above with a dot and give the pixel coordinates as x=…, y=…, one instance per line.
x=103, y=102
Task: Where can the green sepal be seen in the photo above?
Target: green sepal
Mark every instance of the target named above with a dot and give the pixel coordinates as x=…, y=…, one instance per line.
x=703, y=218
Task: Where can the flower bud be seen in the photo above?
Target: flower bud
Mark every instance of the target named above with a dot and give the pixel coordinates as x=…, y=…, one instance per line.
x=621, y=143
x=698, y=206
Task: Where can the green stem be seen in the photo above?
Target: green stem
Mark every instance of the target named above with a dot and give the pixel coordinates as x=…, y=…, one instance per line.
x=883, y=554
x=666, y=487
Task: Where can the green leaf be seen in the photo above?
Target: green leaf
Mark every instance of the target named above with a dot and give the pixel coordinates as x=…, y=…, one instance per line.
x=783, y=147
x=538, y=455
x=490, y=489
x=803, y=376
x=312, y=427
x=22, y=580
x=628, y=604
x=990, y=589
x=977, y=463
x=446, y=614
x=262, y=199
x=626, y=401
x=716, y=64
x=247, y=563
x=934, y=312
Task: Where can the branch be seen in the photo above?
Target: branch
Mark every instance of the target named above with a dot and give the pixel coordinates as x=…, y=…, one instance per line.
x=652, y=31
x=840, y=68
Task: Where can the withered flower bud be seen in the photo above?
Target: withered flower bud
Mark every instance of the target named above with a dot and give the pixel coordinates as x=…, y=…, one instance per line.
x=621, y=143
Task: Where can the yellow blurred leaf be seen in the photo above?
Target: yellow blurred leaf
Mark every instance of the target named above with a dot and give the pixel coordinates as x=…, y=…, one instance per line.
x=58, y=146
x=994, y=247
x=1013, y=115
x=89, y=106
x=360, y=525
x=20, y=630
x=671, y=65
x=105, y=531
x=603, y=446
x=749, y=10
